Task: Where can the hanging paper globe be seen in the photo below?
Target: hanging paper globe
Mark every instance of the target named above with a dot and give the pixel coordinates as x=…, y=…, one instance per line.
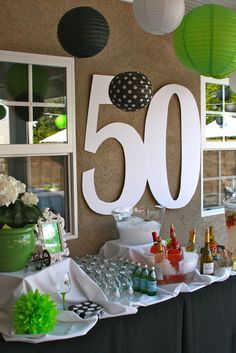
x=130, y=91
x=17, y=80
x=3, y=112
x=205, y=41
x=83, y=32
x=158, y=16
x=232, y=82
x=61, y=121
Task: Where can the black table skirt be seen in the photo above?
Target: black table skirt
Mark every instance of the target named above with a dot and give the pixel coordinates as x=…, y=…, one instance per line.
x=154, y=329
x=200, y=322
x=209, y=319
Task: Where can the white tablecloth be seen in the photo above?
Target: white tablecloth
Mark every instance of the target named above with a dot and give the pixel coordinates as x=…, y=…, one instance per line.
x=69, y=324
x=113, y=249
x=82, y=288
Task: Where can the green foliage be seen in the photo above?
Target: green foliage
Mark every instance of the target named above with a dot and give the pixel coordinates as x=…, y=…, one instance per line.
x=18, y=214
x=34, y=313
x=44, y=128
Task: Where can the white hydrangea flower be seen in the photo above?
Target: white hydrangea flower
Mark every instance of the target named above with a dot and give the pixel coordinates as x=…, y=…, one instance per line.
x=10, y=188
x=29, y=199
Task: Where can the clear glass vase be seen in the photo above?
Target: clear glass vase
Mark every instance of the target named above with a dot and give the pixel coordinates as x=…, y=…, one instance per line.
x=230, y=219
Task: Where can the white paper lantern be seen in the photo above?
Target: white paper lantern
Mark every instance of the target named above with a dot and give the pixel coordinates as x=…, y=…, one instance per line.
x=232, y=82
x=158, y=16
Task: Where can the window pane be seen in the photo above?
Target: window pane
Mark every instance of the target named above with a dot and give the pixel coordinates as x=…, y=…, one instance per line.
x=46, y=176
x=228, y=163
x=49, y=83
x=49, y=125
x=214, y=95
x=14, y=81
x=210, y=164
x=211, y=194
x=230, y=100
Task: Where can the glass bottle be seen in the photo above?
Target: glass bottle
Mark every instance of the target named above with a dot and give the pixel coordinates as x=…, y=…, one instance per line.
x=159, y=257
x=151, y=282
x=192, y=246
x=175, y=256
x=153, y=248
x=136, y=277
x=206, y=262
x=213, y=242
x=143, y=279
x=173, y=243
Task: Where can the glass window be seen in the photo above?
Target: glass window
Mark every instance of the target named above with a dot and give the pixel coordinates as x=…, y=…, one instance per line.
x=218, y=143
x=37, y=129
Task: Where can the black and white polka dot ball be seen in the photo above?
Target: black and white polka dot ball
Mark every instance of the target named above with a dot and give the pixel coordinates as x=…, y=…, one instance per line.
x=130, y=91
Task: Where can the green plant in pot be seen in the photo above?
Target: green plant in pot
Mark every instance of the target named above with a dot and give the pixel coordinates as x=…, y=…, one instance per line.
x=18, y=215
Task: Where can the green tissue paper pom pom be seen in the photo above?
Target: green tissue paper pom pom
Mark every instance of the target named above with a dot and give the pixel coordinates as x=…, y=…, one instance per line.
x=34, y=313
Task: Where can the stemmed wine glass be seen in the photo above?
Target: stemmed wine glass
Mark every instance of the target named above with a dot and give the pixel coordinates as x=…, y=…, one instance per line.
x=63, y=285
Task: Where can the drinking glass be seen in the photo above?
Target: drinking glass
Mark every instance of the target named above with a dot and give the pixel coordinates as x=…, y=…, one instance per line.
x=63, y=285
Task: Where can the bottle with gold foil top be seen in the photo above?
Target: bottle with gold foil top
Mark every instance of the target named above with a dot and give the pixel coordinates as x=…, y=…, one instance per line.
x=206, y=262
x=213, y=242
x=192, y=246
x=159, y=257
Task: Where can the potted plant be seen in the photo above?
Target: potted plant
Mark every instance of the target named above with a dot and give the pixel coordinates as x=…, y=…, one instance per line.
x=18, y=215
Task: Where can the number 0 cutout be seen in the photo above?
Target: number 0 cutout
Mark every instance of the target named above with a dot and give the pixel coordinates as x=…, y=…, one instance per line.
x=155, y=140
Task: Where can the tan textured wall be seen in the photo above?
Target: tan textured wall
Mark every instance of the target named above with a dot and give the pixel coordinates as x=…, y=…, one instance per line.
x=30, y=26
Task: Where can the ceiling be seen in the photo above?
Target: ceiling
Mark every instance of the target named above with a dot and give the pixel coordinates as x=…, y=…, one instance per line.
x=190, y=4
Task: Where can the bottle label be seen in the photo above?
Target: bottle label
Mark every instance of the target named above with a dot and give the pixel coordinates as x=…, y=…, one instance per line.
x=208, y=268
x=213, y=249
x=143, y=284
x=151, y=286
x=136, y=282
x=159, y=271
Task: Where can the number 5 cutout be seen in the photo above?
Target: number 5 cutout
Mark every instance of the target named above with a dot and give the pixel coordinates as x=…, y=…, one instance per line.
x=145, y=161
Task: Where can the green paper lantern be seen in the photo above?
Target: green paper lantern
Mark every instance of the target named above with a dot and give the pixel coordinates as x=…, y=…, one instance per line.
x=205, y=41
x=61, y=121
x=3, y=112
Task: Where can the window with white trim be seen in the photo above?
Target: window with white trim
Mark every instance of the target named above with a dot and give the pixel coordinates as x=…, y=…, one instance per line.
x=37, y=129
x=218, y=172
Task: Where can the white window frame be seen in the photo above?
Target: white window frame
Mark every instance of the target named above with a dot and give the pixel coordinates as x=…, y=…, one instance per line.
x=56, y=149
x=210, y=146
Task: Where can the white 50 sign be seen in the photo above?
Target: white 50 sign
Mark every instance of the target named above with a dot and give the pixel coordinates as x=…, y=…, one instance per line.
x=145, y=160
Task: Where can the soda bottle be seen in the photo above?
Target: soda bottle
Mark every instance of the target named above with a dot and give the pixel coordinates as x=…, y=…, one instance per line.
x=136, y=277
x=151, y=282
x=143, y=279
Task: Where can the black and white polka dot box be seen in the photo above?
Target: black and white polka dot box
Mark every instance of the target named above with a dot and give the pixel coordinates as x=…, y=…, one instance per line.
x=130, y=91
x=87, y=309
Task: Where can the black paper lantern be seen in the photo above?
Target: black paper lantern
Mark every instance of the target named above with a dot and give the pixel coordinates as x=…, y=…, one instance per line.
x=130, y=91
x=3, y=112
x=23, y=112
x=83, y=32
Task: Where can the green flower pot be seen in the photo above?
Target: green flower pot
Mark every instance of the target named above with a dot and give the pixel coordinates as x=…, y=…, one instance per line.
x=16, y=248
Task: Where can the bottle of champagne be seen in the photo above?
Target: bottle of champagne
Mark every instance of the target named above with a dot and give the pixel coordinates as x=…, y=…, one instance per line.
x=192, y=246
x=151, y=282
x=206, y=262
x=213, y=243
x=159, y=257
x=136, y=277
x=153, y=248
x=143, y=279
